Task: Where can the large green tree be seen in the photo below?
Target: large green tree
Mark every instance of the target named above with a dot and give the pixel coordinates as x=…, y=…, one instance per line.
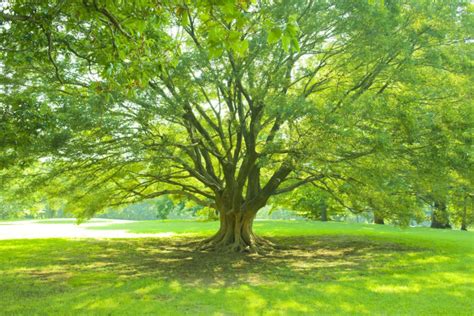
x=226, y=103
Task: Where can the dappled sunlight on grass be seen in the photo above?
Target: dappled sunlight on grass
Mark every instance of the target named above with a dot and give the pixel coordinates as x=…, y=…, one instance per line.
x=386, y=288
x=292, y=306
x=419, y=236
x=331, y=271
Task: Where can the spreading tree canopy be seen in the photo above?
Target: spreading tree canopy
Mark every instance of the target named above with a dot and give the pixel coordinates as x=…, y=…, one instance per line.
x=226, y=103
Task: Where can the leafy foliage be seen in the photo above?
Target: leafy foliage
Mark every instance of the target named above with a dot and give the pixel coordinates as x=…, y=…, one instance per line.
x=230, y=103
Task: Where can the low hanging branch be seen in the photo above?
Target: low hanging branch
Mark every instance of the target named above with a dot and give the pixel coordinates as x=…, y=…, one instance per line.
x=223, y=105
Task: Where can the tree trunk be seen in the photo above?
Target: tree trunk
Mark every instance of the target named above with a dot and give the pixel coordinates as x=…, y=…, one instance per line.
x=464, y=215
x=439, y=216
x=378, y=219
x=235, y=234
x=324, y=213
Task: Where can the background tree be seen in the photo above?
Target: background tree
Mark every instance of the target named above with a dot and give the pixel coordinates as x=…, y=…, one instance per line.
x=310, y=202
x=226, y=104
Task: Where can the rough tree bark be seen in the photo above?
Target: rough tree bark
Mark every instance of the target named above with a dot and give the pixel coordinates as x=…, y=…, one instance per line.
x=235, y=234
x=439, y=216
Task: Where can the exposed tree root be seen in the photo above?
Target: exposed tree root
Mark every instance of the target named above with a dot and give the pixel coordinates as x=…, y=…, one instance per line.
x=236, y=235
x=219, y=243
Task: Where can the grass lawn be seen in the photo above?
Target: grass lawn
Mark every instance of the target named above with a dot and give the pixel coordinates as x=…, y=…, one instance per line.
x=321, y=268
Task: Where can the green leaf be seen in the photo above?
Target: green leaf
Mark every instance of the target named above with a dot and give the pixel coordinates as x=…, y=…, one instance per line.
x=185, y=18
x=285, y=42
x=215, y=51
x=295, y=45
x=241, y=48
x=274, y=35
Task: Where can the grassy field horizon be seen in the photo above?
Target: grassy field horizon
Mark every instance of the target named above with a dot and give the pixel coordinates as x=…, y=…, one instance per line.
x=318, y=268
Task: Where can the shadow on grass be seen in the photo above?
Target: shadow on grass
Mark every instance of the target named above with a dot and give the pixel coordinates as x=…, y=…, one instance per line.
x=320, y=258
x=332, y=274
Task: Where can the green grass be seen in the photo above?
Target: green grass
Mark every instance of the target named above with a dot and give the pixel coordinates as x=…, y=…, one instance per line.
x=321, y=268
